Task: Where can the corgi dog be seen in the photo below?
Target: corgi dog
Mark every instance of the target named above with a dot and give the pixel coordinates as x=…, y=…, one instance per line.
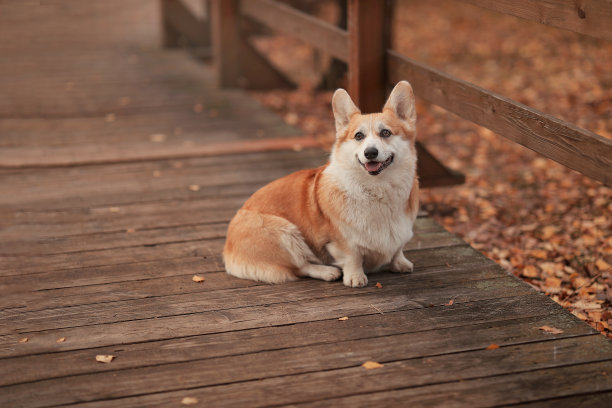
x=350, y=216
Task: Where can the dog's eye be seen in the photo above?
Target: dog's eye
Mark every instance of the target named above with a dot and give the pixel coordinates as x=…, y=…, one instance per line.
x=359, y=136
x=385, y=133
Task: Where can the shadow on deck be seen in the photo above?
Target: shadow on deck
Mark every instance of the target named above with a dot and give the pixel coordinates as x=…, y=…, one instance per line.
x=120, y=169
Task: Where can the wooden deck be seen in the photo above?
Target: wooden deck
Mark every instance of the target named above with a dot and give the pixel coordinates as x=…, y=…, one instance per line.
x=102, y=228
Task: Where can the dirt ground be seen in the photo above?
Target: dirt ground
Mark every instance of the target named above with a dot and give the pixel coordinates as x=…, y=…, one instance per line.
x=541, y=221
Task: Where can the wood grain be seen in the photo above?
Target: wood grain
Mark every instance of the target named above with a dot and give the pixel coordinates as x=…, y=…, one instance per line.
x=591, y=17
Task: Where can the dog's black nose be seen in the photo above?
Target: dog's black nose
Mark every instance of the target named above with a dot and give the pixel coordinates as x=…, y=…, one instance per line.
x=371, y=153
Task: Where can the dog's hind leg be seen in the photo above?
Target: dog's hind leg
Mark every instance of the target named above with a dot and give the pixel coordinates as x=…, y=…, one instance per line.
x=270, y=249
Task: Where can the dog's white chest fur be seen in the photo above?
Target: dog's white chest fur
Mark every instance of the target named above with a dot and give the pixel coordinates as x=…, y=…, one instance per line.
x=375, y=221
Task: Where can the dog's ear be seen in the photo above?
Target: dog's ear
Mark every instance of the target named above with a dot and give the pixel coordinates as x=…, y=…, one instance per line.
x=401, y=102
x=344, y=109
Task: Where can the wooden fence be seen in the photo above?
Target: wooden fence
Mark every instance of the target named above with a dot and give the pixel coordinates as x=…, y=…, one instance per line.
x=373, y=68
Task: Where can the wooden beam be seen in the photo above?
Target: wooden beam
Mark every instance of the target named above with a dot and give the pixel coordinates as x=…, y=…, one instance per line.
x=368, y=40
x=178, y=21
x=237, y=63
x=576, y=148
x=590, y=17
x=318, y=33
x=432, y=173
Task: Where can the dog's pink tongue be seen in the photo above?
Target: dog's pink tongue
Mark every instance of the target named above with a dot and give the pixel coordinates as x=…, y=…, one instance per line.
x=373, y=166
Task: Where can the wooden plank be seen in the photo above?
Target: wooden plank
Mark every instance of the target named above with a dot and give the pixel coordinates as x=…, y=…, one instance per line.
x=33, y=291
x=394, y=321
x=495, y=390
x=219, y=300
x=426, y=236
x=368, y=40
x=31, y=265
x=131, y=152
x=276, y=310
x=178, y=282
x=592, y=400
x=432, y=173
x=576, y=148
x=402, y=369
x=177, y=18
x=316, y=32
x=591, y=17
x=415, y=341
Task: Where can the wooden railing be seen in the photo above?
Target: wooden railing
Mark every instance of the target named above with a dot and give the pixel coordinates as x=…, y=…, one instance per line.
x=372, y=68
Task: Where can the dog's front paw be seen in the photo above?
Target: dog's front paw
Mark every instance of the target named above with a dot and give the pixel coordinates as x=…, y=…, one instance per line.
x=355, y=280
x=401, y=265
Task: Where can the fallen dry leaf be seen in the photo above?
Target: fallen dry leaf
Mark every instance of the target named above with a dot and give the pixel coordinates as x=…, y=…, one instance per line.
x=549, y=329
x=602, y=265
x=23, y=340
x=60, y=340
x=530, y=271
x=379, y=285
x=343, y=318
x=370, y=365
x=492, y=346
x=450, y=302
x=198, y=278
x=158, y=138
x=104, y=358
x=194, y=187
x=189, y=401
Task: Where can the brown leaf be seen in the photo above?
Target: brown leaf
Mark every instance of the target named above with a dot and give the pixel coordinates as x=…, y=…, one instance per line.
x=602, y=265
x=104, y=358
x=450, y=302
x=379, y=285
x=530, y=271
x=60, y=340
x=158, y=138
x=539, y=253
x=549, y=329
x=343, y=318
x=370, y=365
x=198, y=278
x=492, y=346
x=189, y=401
x=23, y=340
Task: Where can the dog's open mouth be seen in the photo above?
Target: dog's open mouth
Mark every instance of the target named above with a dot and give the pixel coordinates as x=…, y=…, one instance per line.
x=376, y=167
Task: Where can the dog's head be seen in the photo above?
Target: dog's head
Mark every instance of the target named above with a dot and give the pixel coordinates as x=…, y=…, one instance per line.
x=376, y=143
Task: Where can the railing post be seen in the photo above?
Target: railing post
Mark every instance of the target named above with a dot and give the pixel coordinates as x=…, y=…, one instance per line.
x=237, y=63
x=226, y=42
x=368, y=42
